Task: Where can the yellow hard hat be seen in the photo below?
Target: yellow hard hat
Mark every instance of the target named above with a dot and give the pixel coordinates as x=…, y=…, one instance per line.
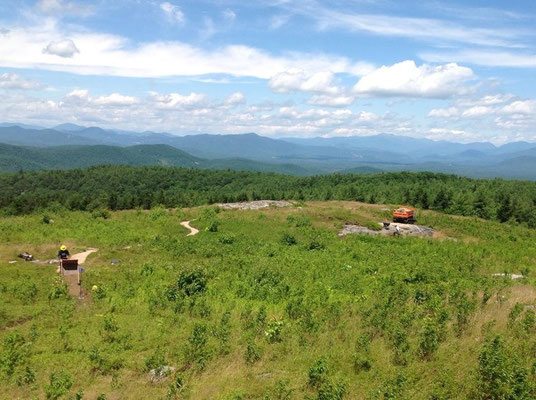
x=95, y=288
x=63, y=247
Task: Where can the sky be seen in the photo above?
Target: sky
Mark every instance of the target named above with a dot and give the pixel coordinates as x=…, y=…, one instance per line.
x=461, y=71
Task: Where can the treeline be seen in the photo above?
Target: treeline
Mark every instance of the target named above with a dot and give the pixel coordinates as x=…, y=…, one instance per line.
x=123, y=187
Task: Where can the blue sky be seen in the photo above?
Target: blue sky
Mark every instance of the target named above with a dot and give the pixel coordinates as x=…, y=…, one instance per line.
x=456, y=70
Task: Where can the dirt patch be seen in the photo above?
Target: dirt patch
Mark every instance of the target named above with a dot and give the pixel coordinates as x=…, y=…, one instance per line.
x=390, y=230
x=193, y=231
x=254, y=205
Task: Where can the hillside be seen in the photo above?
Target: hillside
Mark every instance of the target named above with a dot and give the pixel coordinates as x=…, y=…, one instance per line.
x=266, y=304
x=15, y=158
x=300, y=156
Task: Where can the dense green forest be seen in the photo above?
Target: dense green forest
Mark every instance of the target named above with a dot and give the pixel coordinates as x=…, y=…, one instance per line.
x=124, y=187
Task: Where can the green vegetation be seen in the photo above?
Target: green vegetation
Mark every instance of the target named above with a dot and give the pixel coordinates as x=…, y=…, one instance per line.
x=270, y=305
x=123, y=187
x=15, y=158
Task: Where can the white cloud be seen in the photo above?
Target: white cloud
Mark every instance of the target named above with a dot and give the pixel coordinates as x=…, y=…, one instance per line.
x=82, y=97
x=177, y=101
x=520, y=107
x=477, y=111
x=427, y=29
x=57, y=7
x=116, y=99
x=278, y=21
x=63, y=48
x=490, y=58
x=235, y=99
x=295, y=80
x=444, y=112
x=9, y=80
x=406, y=79
x=173, y=12
x=229, y=15
x=105, y=54
x=331, y=101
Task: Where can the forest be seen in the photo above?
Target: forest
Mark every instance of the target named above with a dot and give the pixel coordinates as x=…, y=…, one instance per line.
x=126, y=187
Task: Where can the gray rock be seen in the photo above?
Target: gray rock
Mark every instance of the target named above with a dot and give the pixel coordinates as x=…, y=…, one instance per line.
x=156, y=375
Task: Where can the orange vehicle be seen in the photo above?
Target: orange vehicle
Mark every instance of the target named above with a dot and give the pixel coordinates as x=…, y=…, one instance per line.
x=405, y=215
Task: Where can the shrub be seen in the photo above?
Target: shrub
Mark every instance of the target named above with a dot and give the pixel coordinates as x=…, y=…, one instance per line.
x=157, y=213
x=196, y=348
x=208, y=213
x=226, y=239
x=332, y=391
x=14, y=353
x=500, y=376
x=193, y=282
x=273, y=331
x=59, y=289
x=27, y=377
x=316, y=245
x=288, y=240
x=60, y=384
x=252, y=353
x=318, y=373
x=101, y=213
x=429, y=341
x=299, y=220
x=156, y=361
x=213, y=226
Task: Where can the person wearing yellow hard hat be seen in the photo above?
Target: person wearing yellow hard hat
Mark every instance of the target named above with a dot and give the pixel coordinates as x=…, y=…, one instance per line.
x=63, y=254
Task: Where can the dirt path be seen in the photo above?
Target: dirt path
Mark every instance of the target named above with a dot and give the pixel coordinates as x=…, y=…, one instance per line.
x=81, y=257
x=193, y=231
x=76, y=290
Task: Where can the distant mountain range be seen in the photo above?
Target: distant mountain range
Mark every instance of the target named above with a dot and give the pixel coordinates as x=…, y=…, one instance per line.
x=70, y=146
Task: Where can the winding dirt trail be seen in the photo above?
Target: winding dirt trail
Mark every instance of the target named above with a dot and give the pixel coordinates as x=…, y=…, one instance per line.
x=193, y=231
x=81, y=257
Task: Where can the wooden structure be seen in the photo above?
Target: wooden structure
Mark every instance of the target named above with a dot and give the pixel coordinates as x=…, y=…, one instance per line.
x=70, y=267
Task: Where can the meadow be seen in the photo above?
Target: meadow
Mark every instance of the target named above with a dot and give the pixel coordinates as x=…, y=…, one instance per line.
x=267, y=304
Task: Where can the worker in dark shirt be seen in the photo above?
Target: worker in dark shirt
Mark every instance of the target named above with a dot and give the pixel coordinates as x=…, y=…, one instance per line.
x=63, y=254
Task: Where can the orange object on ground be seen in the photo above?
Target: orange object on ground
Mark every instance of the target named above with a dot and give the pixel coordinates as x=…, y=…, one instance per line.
x=405, y=215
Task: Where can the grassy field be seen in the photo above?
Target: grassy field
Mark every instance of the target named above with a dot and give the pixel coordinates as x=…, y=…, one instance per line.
x=267, y=304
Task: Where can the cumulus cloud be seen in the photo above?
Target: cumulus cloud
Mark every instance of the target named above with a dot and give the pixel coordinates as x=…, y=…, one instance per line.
x=173, y=12
x=9, y=80
x=235, y=99
x=116, y=99
x=82, y=97
x=57, y=7
x=63, y=48
x=406, y=79
x=177, y=101
x=520, y=107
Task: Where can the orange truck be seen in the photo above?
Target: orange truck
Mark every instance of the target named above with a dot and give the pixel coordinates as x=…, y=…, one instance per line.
x=405, y=215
